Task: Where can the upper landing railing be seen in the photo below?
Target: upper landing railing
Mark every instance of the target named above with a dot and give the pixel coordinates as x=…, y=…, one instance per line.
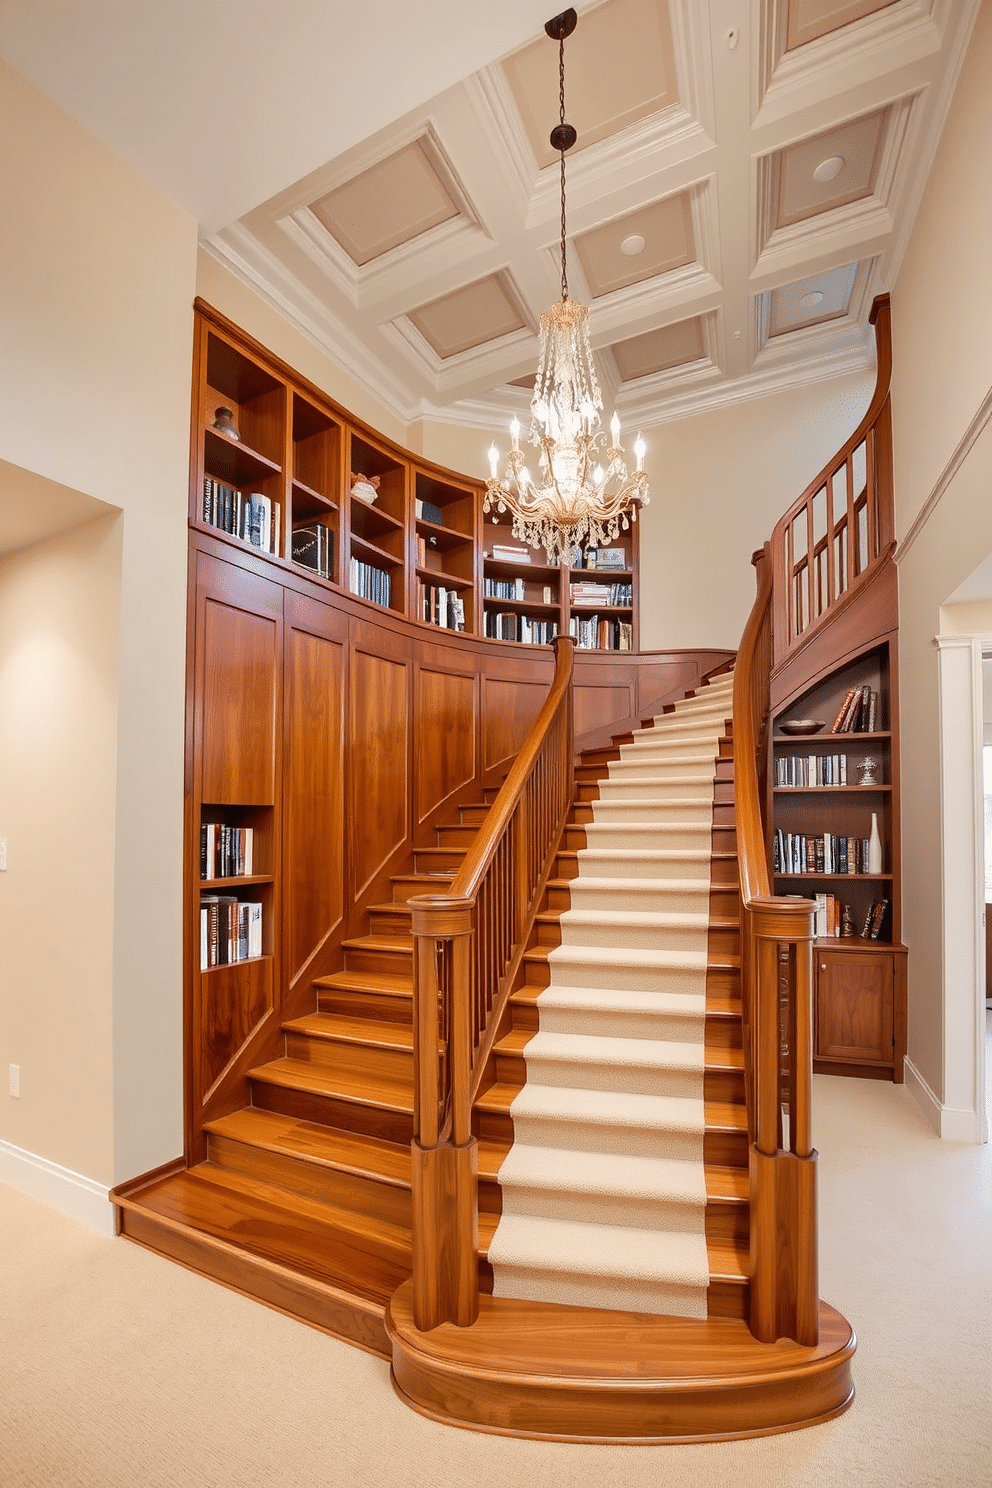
x=830, y=539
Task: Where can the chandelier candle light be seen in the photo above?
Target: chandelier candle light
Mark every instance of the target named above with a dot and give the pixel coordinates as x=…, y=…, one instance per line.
x=583, y=492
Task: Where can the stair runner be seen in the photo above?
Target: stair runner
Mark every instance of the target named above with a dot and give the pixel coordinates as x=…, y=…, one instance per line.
x=603, y=1190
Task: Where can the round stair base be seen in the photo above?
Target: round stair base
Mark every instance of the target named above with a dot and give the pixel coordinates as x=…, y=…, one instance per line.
x=586, y=1375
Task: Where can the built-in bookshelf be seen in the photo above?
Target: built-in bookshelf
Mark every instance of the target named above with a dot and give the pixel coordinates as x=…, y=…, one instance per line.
x=280, y=468
x=834, y=838
x=235, y=885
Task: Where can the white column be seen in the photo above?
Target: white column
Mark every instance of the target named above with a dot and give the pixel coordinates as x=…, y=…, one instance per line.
x=959, y=671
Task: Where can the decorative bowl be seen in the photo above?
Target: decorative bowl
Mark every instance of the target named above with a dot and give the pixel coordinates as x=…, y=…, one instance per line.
x=802, y=726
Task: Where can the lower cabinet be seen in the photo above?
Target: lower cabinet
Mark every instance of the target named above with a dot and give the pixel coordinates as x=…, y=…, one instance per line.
x=860, y=1009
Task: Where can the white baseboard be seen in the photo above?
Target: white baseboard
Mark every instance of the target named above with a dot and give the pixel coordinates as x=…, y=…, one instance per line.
x=72, y=1193
x=949, y=1122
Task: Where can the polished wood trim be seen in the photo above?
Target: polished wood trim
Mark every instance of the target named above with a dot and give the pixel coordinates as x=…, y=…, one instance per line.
x=587, y=1375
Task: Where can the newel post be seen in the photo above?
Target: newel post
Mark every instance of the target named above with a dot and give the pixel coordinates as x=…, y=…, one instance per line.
x=444, y=1179
x=784, y=1273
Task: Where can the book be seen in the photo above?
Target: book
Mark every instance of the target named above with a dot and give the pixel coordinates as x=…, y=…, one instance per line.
x=427, y=511
x=837, y=727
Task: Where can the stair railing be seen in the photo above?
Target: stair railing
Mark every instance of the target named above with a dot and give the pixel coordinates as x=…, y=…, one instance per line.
x=467, y=948
x=843, y=524
x=777, y=1004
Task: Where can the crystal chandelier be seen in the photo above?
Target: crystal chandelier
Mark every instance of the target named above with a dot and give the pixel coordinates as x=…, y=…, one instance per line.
x=583, y=491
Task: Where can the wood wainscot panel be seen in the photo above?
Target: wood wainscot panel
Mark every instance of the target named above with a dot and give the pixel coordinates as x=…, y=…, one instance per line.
x=379, y=769
x=657, y=680
x=240, y=687
x=599, y=705
x=314, y=844
x=234, y=1000
x=509, y=707
x=446, y=742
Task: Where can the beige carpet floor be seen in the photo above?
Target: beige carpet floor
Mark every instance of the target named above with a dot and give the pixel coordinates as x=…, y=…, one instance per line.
x=120, y=1368
x=604, y=1191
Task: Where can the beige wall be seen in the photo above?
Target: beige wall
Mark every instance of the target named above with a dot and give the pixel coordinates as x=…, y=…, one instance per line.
x=97, y=276
x=59, y=641
x=942, y=351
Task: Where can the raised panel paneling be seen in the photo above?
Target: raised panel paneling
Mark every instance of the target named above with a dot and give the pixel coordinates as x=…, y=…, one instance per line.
x=379, y=754
x=233, y=1002
x=313, y=854
x=658, y=679
x=240, y=661
x=509, y=709
x=446, y=726
x=595, y=706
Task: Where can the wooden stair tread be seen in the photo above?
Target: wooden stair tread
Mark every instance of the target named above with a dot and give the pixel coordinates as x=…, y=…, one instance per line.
x=331, y=1147
x=299, y=1074
x=583, y=1374
x=718, y=1006
x=347, y=1030
x=725, y=1116
x=336, y=1246
x=365, y=981
x=389, y=943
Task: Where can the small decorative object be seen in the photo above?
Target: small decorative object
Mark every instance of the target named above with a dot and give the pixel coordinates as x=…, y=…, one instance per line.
x=866, y=771
x=874, y=846
x=801, y=725
x=847, y=922
x=365, y=487
x=224, y=423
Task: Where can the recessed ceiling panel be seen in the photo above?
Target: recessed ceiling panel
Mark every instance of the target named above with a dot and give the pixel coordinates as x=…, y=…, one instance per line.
x=393, y=201
x=666, y=230
x=810, y=301
x=657, y=351
x=470, y=316
x=809, y=19
x=619, y=68
x=830, y=169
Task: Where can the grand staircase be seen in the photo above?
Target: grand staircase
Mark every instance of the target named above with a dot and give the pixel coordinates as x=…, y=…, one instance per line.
x=304, y=1200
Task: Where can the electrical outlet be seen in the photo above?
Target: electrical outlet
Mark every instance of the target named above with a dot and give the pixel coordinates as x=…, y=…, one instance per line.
x=15, y=1081
x=3, y=855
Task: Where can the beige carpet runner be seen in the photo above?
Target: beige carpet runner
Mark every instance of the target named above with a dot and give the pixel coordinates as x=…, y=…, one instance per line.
x=603, y=1190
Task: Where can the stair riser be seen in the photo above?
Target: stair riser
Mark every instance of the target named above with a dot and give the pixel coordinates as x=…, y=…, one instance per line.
x=725, y=902
x=615, y=793
x=723, y=981
x=724, y=940
x=724, y=874
x=456, y=836
x=725, y=1086
x=424, y=861
x=307, y=1105
x=677, y=899
x=728, y=1299
x=473, y=816
x=362, y=1195
x=728, y=1221
x=723, y=1033
x=637, y=978
x=379, y=962
x=621, y=837
x=375, y=1005
x=663, y=811
x=409, y=888
x=586, y=1208
x=389, y=922
x=595, y=1023
x=725, y=1149
x=590, y=1136
x=369, y=1061
x=619, y=865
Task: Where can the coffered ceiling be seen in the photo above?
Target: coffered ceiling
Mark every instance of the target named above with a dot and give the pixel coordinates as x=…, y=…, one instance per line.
x=745, y=178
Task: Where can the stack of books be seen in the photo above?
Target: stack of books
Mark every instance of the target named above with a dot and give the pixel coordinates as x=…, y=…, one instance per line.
x=229, y=931
x=858, y=713
x=506, y=553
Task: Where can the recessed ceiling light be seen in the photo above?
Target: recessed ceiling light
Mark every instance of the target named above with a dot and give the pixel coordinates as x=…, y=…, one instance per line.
x=634, y=244
x=829, y=169
x=809, y=301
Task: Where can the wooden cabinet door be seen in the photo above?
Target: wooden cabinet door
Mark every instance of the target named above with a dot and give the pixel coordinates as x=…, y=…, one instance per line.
x=854, y=1007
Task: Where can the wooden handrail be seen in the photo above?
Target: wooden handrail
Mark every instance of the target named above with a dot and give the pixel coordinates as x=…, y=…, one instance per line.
x=468, y=945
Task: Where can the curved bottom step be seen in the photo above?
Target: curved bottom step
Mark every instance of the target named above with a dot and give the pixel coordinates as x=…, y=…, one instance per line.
x=585, y=1375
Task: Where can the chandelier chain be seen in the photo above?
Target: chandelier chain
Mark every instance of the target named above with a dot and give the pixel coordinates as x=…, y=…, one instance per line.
x=561, y=120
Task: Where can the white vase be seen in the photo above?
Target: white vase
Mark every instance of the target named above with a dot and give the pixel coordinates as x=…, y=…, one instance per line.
x=874, y=846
